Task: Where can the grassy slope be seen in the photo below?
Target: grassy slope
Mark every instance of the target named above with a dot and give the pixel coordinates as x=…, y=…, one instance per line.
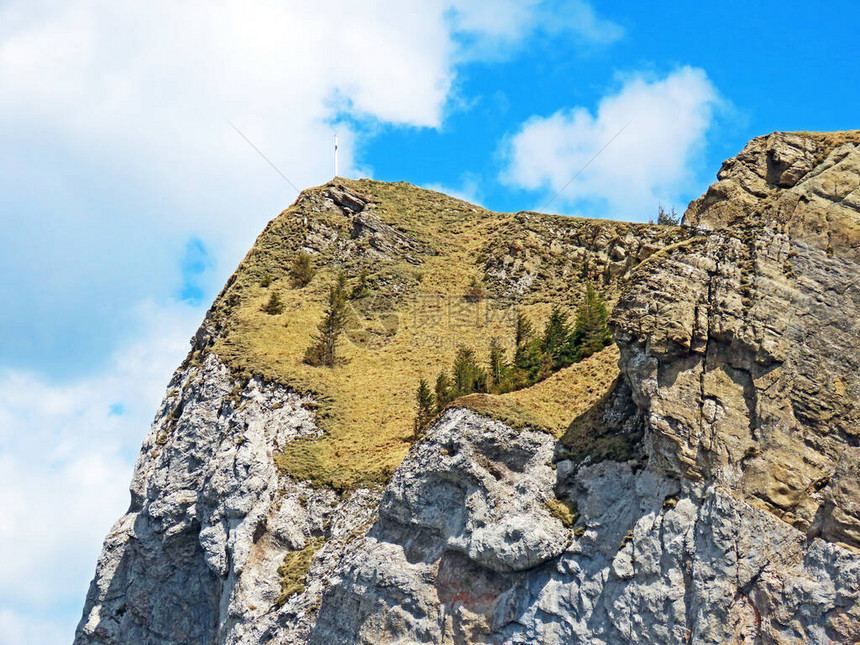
x=552, y=404
x=396, y=336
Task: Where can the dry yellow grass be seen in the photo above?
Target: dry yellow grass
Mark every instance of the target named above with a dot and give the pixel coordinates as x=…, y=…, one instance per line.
x=552, y=404
x=294, y=570
x=832, y=139
x=367, y=403
x=368, y=398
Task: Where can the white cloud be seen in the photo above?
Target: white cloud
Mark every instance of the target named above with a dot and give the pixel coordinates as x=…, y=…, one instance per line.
x=494, y=26
x=162, y=79
x=468, y=189
x=649, y=162
x=66, y=455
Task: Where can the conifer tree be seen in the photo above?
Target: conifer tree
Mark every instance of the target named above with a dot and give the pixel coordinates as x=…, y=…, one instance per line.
x=591, y=333
x=361, y=288
x=444, y=391
x=498, y=365
x=527, y=356
x=556, y=337
x=524, y=330
x=302, y=270
x=667, y=218
x=424, y=406
x=468, y=375
x=324, y=349
x=274, y=306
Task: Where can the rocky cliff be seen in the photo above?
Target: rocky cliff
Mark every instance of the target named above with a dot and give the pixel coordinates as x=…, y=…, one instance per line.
x=696, y=483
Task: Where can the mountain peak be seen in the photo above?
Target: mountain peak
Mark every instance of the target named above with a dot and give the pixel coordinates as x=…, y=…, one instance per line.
x=696, y=480
x=767, y=166
x=419, y=256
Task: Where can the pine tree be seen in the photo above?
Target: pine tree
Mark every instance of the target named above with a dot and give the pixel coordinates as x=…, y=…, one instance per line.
x=361, y=288
x=498, y=365
x=425, y=406
x=667, y=218
x=555, y=340
x=591, y=333
x=527, y=353
x=274, y=306
x=302, y=270
x=444, y=391
x=524, y=330
x=468, y=375
x=323, y=351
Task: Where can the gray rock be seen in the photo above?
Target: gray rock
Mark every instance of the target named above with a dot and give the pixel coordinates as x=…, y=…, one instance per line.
x=463, y=548
x=195, y=558
x=706, y=568
x=385, y=240
x=741, y=346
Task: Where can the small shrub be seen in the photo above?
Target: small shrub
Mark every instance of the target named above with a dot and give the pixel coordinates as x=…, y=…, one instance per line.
x=563, y=510
x=274, y=306
x=302, y=270
x=294, y=570
x=361, y=288
x=265, y=281
x=475, y=292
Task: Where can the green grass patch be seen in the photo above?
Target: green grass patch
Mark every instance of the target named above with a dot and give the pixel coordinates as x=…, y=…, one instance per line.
x=294, y=570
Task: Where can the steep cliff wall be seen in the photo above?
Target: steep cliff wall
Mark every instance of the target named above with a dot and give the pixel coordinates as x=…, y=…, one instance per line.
x=742, y=346
x=707, y=493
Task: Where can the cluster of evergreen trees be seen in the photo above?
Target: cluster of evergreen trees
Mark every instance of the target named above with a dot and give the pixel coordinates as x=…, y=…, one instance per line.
x=536, y=357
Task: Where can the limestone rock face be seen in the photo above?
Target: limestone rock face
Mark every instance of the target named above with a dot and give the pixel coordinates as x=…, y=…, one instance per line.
x=650, y=559
x=483, y=490
x=195, y=559
x=742, y=345
x=765, y=167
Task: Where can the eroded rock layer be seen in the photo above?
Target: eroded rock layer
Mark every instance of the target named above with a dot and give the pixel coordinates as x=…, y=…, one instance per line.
x=743, y=345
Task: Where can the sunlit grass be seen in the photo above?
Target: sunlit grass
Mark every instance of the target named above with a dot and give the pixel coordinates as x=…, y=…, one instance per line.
x=408, y=328
x=552, y=404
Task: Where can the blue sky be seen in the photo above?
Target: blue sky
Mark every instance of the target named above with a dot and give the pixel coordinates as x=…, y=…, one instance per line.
x=126, y=199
